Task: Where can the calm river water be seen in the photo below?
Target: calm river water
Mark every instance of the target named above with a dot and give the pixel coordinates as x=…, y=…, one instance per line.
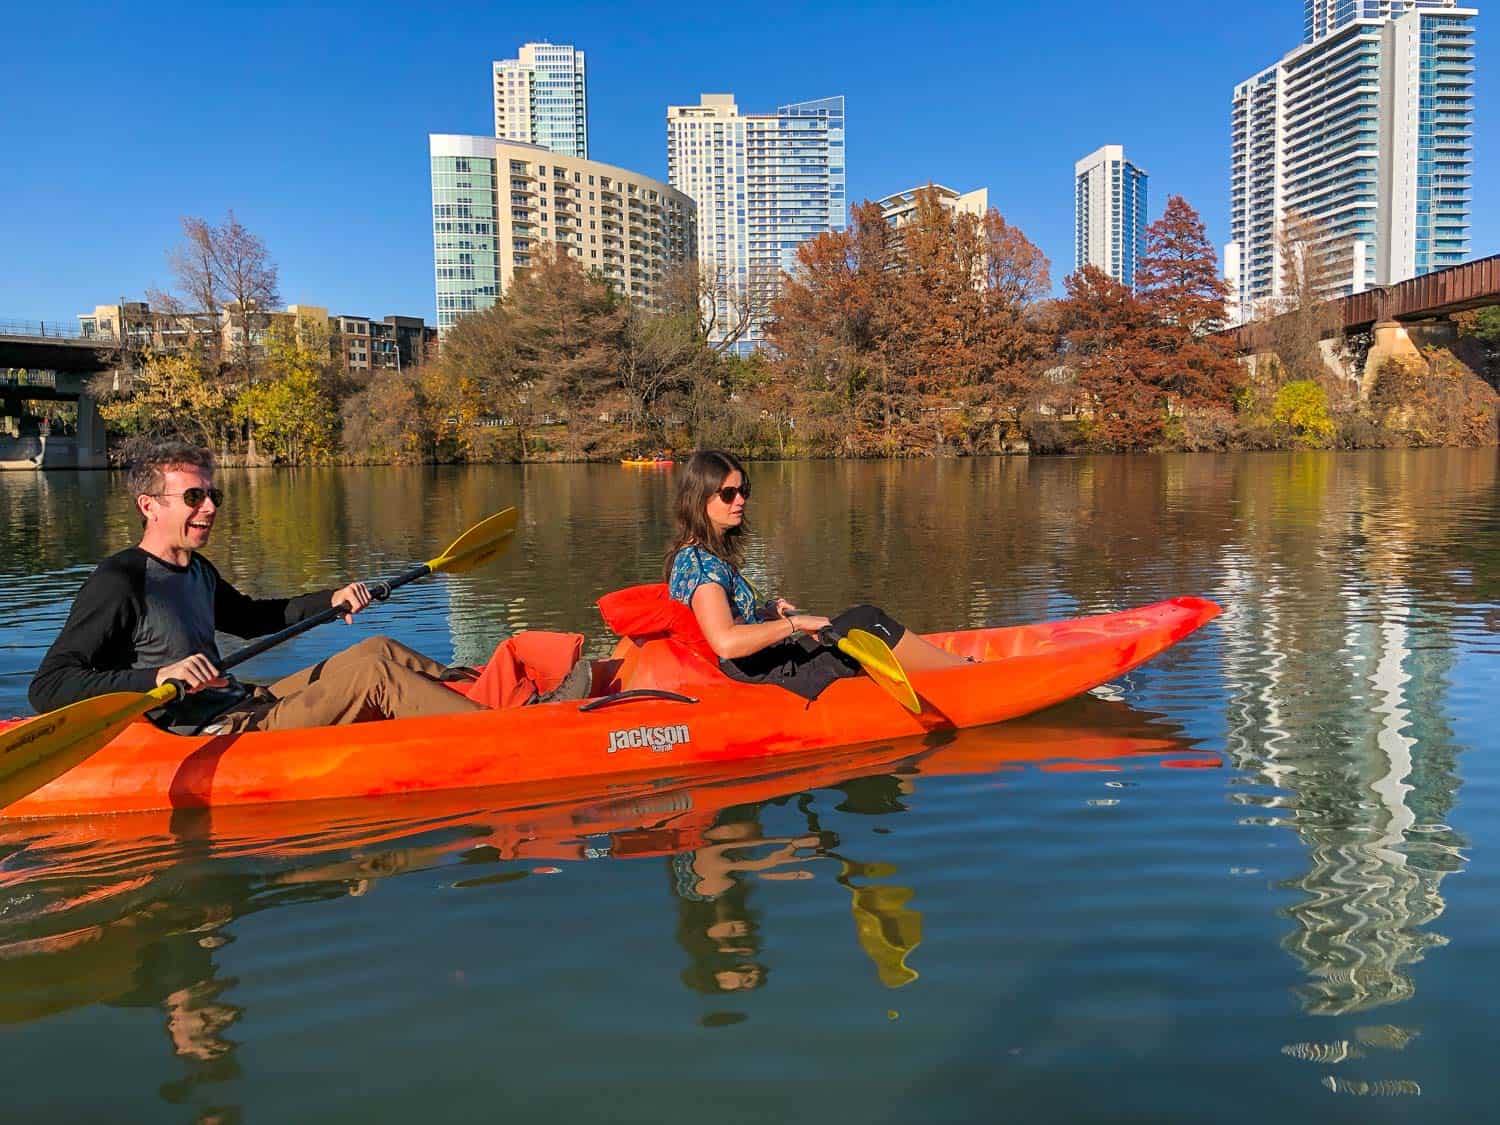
x=1045, y=920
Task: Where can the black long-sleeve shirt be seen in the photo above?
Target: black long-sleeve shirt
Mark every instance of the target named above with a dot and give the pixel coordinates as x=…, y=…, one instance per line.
x=137, y=613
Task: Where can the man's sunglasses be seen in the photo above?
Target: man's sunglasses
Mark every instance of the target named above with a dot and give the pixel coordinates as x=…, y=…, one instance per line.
x=194, y=497
x=728, y=494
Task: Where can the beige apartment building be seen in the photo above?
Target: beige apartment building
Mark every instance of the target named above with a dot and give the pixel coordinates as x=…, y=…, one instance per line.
x=495, y=202
x=901, y=207
x=360, y=343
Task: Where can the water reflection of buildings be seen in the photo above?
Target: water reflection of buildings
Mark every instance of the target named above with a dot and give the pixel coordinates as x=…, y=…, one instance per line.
x=1340, y=681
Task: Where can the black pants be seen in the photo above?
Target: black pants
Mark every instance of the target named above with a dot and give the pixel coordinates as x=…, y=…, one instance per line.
x=807, y=673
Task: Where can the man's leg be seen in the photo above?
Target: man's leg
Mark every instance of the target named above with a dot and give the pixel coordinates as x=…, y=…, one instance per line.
x=375, y=679
x=371, y=648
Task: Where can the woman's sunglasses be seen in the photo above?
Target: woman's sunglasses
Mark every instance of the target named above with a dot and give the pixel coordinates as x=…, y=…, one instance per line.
x=194, y=497
x=728, y=494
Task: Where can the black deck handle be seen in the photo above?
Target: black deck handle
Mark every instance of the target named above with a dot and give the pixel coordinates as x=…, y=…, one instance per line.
x=636, y=693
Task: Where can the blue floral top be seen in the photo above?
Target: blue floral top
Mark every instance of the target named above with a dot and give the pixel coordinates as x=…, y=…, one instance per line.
x=694, y=566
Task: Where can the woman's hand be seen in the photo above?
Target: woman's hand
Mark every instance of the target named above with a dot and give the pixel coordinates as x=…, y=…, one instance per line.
x=809, y=622
x=783, y=608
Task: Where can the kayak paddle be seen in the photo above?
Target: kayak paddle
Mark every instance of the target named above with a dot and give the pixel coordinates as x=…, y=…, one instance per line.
x=40, y=749
x=880, y=664
x=874, y=656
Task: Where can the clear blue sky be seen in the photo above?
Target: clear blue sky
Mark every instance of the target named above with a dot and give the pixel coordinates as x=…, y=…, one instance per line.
x=311, y=121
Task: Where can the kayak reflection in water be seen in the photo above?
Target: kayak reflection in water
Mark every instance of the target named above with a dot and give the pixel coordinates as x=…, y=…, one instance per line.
x=759, y=642
x=155, y=949
x=721, y=933
x=148, y=615
x=715, y=924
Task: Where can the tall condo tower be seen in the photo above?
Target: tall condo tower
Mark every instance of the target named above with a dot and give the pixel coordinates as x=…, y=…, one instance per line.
x=1365, y=133
x=1109, y=213
x=541, y=98
x=764, y=184
x=1324, y=17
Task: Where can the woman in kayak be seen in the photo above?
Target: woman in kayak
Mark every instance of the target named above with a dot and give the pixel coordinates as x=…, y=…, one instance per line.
x=761, y=642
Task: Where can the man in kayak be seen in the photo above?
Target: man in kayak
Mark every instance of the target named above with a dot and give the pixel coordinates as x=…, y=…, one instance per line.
x=149, y=613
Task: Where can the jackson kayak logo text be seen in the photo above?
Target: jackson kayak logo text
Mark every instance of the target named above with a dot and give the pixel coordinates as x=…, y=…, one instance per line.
x=656, y=739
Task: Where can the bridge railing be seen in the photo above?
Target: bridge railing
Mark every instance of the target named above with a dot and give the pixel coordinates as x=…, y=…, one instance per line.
x=49, y=329
x=28, y=379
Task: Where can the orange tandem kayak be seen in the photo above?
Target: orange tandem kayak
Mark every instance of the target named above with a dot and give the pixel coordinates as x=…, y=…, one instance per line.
x=658, y=704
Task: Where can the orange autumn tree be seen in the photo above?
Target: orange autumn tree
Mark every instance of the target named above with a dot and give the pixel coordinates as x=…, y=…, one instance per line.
x=1178, y=282
x=1106, y=342
x=926, y=332
x=1146, y=358
x=828, y=328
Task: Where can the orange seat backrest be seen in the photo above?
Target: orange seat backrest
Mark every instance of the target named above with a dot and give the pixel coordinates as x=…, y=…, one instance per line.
x=662, y=645
x=647, y=612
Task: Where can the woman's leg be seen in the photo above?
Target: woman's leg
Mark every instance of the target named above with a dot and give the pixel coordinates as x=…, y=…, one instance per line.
x=918, y=654
x=914, y=653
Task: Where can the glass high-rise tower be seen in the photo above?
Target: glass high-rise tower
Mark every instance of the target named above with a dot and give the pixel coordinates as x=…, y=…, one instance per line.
x=1364, y=133
x=1109, y=213
x=1324, y=17
x=541, y=98
x=764, y=184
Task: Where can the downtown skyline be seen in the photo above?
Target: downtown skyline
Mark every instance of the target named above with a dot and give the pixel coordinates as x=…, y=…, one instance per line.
x=347, y=221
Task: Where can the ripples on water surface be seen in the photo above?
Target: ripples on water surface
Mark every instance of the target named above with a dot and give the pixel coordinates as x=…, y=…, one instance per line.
x=1060, y=918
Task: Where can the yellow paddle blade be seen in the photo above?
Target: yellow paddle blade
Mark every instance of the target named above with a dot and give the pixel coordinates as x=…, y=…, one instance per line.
x=40, y=749
x=478, y=545
x=887, y=931
x=880, y=663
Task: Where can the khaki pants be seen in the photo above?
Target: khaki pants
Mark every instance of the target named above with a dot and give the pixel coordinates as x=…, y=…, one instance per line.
x=375, y=679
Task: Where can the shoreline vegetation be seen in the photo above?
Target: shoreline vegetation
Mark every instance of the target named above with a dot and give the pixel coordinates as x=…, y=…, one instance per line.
x=939, y=338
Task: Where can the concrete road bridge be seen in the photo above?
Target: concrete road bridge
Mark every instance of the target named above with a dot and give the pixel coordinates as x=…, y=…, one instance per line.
x=43, y=362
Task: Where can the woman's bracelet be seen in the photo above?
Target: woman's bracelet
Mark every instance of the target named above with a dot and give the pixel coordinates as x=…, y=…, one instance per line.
x=793, y=624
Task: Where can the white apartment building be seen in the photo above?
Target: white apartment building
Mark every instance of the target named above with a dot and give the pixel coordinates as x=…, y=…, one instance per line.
x=495, y=201
x=764, y=184
x=1366, y=132
x=541, y=98
x=1109, y=213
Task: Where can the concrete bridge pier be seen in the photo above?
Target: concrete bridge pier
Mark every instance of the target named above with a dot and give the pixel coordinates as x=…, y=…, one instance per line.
x=1403, y=342
x=89, y=443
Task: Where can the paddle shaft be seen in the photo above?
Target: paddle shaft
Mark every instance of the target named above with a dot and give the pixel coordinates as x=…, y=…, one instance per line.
x=380, y=591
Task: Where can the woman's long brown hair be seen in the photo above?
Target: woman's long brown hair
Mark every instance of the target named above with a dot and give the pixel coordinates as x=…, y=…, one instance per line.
x=700, y=478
